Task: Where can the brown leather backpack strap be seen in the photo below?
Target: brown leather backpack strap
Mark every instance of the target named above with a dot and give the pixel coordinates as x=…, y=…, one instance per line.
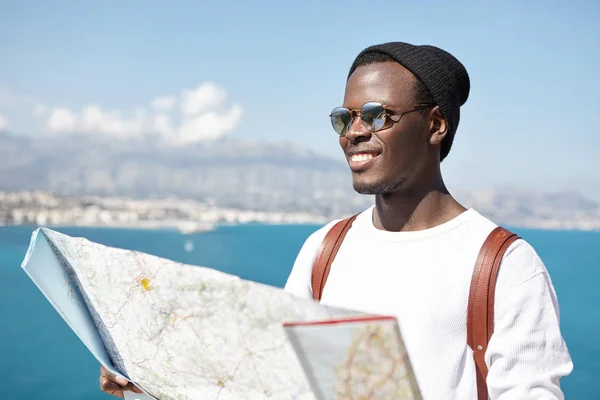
x=480, y=314
x=328, y=250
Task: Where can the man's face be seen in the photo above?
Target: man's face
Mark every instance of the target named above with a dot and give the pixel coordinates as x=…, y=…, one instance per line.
x=385, y=161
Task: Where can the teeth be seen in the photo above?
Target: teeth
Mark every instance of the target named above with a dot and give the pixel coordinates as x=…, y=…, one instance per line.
x=361, y=157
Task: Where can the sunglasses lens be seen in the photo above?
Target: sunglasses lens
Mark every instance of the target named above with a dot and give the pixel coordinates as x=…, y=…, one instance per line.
x=373, y=115
x=340, y=120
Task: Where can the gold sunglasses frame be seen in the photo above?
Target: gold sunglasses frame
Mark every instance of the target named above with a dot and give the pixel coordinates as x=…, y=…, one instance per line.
x=389, y=113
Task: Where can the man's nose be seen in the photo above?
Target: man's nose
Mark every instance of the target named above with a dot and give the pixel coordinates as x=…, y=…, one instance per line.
x=357, y=130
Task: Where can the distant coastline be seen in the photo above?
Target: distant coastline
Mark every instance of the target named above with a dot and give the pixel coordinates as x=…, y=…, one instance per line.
x=187, y=216
x=38, y=208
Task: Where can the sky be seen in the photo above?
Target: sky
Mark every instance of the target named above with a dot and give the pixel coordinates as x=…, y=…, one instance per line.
x=272, y=71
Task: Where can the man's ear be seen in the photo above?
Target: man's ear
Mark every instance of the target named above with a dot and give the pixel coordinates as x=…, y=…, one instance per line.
x=438, y=127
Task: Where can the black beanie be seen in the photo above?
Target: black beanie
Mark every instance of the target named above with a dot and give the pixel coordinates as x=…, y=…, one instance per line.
x=442, y=74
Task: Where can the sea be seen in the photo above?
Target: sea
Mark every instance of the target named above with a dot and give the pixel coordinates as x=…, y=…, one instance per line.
x=41, y=358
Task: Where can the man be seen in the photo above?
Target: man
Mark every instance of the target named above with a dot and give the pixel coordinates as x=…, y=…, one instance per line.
x=412, y=254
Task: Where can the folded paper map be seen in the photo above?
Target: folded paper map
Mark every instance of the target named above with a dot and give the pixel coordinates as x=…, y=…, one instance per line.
x=187, y=332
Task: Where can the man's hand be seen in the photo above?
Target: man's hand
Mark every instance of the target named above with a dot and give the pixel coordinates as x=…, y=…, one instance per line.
x=115, y=385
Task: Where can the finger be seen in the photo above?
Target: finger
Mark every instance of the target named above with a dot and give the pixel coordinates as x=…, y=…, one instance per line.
x=131, y=387
x=110, y=387
x=118, y=379
x=137, y=390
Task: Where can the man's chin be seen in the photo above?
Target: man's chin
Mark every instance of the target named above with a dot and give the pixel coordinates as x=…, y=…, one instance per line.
x=373, y=187
x=366, y=187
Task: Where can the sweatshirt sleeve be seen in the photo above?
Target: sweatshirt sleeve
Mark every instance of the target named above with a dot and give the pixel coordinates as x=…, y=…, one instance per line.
x=527, y=354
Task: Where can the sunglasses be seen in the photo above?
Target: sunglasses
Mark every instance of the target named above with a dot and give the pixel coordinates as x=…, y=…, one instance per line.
x=373, y=115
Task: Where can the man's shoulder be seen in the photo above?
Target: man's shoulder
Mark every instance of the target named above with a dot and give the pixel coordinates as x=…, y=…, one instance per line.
x=520, y=263
x=521, y=260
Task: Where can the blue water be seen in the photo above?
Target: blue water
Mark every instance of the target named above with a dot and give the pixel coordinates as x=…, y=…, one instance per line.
x=40, y=358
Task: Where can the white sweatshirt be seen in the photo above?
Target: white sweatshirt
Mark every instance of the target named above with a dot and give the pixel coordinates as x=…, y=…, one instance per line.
x=423, y=279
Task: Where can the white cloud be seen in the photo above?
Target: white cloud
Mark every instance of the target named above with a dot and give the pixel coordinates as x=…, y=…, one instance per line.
x=205, y=96
x=4, y=123
x=203, y=115
x=94, y=120
x=62, y=120
x=208, y=126
x=163, y=125
x=164, y=103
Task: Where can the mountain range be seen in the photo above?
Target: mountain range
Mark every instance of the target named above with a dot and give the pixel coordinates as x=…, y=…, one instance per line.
x=239, y=174
x=227, y=172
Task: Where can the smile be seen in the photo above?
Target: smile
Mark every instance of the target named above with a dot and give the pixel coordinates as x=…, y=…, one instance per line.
x=361, y=161
x=362, y=157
